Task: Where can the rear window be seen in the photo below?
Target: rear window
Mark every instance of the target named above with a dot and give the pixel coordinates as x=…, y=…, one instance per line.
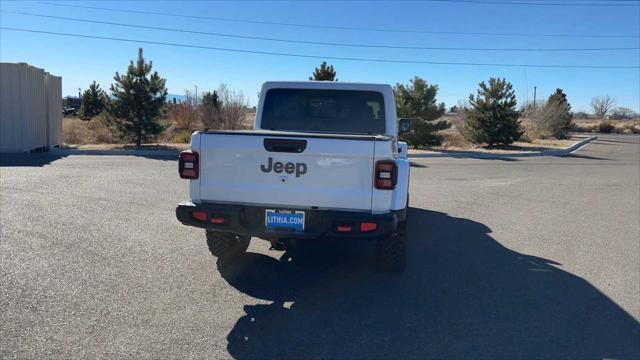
x=331, y=111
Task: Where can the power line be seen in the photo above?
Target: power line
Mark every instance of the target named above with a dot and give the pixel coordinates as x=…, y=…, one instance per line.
x=315, y=26
x=322, y=57
x=317, y=42
x=544, y=3
x=586, y=3
x=597, y=3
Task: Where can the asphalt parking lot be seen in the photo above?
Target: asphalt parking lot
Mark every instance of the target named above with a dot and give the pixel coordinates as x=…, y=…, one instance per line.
x=509, y=258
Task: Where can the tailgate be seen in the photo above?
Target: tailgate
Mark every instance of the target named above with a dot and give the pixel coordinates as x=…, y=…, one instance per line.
x=285, y=171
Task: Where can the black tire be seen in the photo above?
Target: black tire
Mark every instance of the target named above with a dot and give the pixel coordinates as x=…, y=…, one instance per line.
x=391, y=255
x=225, y=245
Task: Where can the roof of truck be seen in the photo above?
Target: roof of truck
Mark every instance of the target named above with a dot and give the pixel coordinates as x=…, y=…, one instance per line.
x=326, y=85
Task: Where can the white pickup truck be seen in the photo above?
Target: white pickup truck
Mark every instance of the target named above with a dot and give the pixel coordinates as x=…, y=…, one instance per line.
x=323, y=160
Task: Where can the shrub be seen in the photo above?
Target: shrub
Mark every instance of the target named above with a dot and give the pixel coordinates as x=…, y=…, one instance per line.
x=584, y=127
x=458, y=122
x=75, y=131
x=454, y=139
x=627, y=128
x=101, y=133
x=185, y=115
x=210, y=110
x=623, y=113
x=605, y=127
x=183, y=137
x=525, y=137
x=94, y=131
x=493, y=118
x=553, y=119
x=425, y=133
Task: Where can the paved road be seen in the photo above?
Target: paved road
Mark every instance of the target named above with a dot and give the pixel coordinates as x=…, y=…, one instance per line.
x=532, y=257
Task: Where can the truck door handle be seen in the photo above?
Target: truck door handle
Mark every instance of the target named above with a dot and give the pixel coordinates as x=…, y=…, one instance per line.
x=285, y=145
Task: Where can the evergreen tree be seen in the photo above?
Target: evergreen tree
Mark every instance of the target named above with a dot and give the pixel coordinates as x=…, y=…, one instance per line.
x=417, y=100
x=493, y=118
x=559, y=107
x=94, y=101
x=138, y=100
x=324, y=73
x=212, y=99
x=210, y=110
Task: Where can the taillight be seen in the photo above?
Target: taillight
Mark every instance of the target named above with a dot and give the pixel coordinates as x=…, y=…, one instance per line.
x=199, y=215
x=386, y=175
x=218, y=220
x=368, y=226
x=188, y=165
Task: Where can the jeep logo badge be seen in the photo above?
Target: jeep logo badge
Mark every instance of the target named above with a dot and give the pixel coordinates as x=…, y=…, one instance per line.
x=289, y=168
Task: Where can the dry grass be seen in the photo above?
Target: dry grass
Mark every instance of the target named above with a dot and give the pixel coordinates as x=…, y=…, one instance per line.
x=154, y=146
x=455, y=141
x=79, y=132
x=94, y=131
x=618, y=126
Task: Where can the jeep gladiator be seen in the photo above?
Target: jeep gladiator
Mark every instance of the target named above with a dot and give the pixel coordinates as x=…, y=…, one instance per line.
x=323, y=160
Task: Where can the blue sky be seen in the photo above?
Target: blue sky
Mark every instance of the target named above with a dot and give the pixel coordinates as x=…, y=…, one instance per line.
x=80, y=61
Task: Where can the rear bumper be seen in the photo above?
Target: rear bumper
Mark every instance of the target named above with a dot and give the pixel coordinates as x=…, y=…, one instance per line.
x=250, y=221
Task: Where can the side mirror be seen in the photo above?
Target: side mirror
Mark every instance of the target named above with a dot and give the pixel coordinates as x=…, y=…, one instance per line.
x=404, y=126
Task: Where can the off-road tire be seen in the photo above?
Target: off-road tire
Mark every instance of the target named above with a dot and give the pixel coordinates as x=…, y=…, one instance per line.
x=391, y=256
x=225, y=245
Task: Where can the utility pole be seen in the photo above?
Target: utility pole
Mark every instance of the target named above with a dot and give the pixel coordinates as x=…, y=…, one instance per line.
x=196, y=94
x=534, y=97
x=79, y=94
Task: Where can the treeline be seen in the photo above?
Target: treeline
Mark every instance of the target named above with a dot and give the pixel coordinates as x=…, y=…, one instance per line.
x=490, y=118
x=215, y=110
x=137, y=111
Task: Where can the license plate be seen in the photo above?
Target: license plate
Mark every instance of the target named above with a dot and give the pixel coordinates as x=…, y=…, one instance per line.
x=284, y=219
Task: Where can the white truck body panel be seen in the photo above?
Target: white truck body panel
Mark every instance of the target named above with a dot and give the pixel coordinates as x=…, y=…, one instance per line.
x=339, y=172
x=339, y=167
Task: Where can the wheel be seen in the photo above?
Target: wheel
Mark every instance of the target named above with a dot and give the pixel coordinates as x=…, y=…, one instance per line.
x=225, y=245
x=391, y=256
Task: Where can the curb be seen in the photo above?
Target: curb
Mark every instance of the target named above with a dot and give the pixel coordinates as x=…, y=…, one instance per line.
x=459, y=154
x=150, y=153
x=478, y=155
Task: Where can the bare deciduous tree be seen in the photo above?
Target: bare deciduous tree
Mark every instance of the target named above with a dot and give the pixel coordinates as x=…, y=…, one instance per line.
x=601, y=105
x=623, y=113
x=223, y=109
x=184, y=115
x=232, y=110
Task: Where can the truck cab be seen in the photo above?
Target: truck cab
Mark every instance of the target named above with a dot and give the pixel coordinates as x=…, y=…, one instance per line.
x=323, y=160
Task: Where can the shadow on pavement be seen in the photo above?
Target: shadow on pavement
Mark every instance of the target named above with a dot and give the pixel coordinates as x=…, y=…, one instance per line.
x=42, y=159
x=580, y=156
x=462, y=295
x=33, y=159
x=473, y=155
x=635, y=137
x=417, y=165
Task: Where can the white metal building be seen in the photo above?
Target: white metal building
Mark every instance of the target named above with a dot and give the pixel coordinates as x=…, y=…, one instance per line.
x=30, y=108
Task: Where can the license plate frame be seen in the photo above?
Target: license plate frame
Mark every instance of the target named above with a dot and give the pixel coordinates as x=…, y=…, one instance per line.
x=290, y=220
